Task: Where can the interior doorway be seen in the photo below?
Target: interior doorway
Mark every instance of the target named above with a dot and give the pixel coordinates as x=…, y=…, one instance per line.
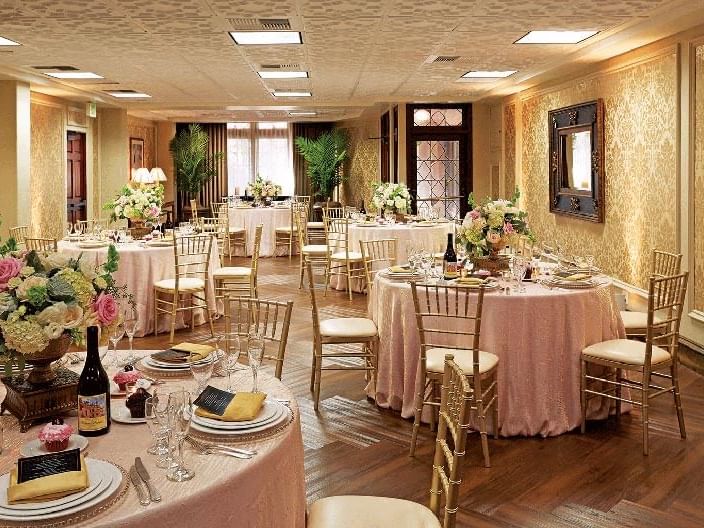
x=76, y=191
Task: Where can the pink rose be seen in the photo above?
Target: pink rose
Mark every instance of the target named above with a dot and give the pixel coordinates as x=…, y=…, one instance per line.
x=508, y=228
x=9, y=267
x=474, y=214
x=105, y=308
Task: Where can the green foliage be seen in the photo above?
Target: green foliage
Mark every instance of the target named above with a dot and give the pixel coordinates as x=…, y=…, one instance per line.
x=38, y=296
x=324, y=158
x=113, y=260
x=32, y=259
x=192, y=164
x=59, y=289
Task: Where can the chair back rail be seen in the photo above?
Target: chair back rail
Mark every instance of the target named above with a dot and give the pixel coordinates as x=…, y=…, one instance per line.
x=377, y=255
x=665, y=264
x=666, y=298
x=47, y=245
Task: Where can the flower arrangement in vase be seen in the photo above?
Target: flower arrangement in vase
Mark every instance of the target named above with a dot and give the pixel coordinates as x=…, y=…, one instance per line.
x=46, y=302
x=138, y=204
x=393, y=197
x=262, y=189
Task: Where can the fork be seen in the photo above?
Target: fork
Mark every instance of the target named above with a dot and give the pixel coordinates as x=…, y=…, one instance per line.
x=199, y=445
x=218, y=450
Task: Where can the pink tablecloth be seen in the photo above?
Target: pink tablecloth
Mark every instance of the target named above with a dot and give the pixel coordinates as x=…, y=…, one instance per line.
x=139, y=268
x=538, y=336
x=267, y=490
x=270, y=217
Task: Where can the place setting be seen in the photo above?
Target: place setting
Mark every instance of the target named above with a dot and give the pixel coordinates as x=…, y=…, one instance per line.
x=180, y=359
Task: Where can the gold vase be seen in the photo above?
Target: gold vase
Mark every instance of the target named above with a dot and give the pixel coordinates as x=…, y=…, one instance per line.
x=41, y=361
x=138, y=230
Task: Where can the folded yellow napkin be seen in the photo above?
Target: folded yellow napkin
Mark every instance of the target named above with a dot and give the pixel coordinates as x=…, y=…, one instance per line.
x=577, y=277
x=244, y=406
x=470, y=281
x=399, y=269
x=196, y=350
x=47, y=488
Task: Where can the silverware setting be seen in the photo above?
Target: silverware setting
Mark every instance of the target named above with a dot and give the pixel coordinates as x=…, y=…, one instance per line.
x=139, y=486
x=154, y=495
x=219, y=449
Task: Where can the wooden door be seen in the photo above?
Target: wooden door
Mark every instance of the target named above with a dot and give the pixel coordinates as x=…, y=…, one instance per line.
x=76, y=192
x=385, y=159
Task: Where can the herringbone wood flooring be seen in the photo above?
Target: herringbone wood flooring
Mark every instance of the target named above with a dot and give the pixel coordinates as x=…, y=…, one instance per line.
x=600, y=479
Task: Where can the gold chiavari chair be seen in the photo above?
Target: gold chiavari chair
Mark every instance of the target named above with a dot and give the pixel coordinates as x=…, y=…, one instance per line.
x=663, y=264
x=377, y=255
x=188, y=290
x=46, y=245
x=449, y=322
x=349, y=210
x=237, y=237
x=343, y=260
x=87, y=226
x=523, y=246
x=658, y=352
x=338, y=331
x=215, y=207
x=194, y=209
x=218, y=228
x=286, y=236
x=314, y=254
x=272, y=320
x=19, y=233
x=240, y=280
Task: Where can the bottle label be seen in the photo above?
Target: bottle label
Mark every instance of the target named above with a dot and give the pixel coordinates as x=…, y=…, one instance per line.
x=451, y=270
x=92, y=412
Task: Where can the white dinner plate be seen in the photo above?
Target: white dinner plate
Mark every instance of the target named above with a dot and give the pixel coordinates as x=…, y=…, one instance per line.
x=36, y=447
x=166, y=364
x=111, y=474
x=92, y=245
x=234, y=432
x=159, y=243
x=368, y=225
x=490, y=285
x=115, y=388
x=121, y=414
x=270, y=412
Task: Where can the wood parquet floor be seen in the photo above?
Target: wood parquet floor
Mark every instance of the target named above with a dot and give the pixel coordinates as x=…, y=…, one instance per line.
x=600, y=479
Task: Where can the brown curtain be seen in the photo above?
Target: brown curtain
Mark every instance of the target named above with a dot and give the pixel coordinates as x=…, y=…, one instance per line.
x=311, y=131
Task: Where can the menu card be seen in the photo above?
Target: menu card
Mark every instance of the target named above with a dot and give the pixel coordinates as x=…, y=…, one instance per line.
x=45, y=465
x=213, y=400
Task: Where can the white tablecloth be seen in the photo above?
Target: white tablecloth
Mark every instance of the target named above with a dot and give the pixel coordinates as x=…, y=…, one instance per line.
x=139, y=268
x=270, y=217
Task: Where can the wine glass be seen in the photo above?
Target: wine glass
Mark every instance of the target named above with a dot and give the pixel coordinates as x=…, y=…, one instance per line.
x=426, y=260
x=202, y=370
x=255, y=353
x=131, y=323
x=520, y=267
x=232, y=343
x=156, y=413
x=180, y=408
x=116, y=334
x=590, y=263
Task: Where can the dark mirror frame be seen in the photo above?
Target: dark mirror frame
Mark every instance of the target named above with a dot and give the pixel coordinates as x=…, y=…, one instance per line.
x=585, y=204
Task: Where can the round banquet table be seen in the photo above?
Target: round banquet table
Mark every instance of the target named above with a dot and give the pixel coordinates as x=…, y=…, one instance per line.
x=139, y=268
x=267, y=490
x=538, y=336
x=432, y=238
x=270, y=217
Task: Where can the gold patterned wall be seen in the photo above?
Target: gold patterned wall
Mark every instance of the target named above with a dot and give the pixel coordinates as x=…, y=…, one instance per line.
x=641, y=166
x=47, y=170
x=699, y=180
x=509, y=149
x=142, y=128
x=362, y=165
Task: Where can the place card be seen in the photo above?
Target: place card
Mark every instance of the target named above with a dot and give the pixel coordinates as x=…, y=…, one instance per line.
x=213, y=400
x=45, y=465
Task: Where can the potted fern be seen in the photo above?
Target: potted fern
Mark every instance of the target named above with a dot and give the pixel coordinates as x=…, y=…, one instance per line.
x=324, y=158
x=192, y=164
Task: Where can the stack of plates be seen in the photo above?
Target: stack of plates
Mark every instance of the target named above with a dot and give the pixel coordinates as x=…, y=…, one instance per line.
x=570, y=269
x=272, y=415
x=560, y=282
x=160, y=243
x=104, y=478
x=155, y=364
x=405, y=275
x=93, y=244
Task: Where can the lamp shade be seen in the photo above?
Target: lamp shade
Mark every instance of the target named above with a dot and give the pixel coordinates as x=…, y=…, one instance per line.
x=158, y=175
x=142, y=175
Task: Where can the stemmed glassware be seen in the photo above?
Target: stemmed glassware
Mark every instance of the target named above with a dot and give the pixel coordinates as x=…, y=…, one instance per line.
x=255, y=352
x=520, y=268
x=180, y=409
x=427, y=259
x=116, y=334
x=231, y=344
x=156, y=412
x=131, y=324
x=202, y=370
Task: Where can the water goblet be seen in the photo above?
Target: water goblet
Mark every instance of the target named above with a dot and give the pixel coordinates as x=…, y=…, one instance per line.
x=131, y=324
x=180, y=414
x=155, y=412
x=231, y=344
x=255, y=353
x=202, y=370
x=116, y=334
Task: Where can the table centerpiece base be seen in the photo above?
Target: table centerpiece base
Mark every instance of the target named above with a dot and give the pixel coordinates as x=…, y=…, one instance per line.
x=494, y=264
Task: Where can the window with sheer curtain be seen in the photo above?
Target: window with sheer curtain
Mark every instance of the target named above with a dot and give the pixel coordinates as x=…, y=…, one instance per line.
x=259, y=148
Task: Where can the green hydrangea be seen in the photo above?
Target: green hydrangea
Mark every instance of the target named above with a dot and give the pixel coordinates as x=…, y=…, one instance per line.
x=25, y=336
x=37, y=296
x=82, y=287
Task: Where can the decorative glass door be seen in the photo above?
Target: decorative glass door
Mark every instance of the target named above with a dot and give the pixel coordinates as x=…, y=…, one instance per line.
x=438, y=178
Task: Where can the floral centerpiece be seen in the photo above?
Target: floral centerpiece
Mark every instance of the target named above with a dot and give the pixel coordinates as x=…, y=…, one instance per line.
x=394, y=197
x=46, y=302
x=262, y=189
x=490, y=225
x=138, y=204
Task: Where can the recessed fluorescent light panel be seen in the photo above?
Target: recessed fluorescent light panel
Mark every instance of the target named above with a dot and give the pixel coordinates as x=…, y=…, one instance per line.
x=128, y=95
x=488, y=74
x=259, y=38
x=555, y=37
x=74, y=75
x=291, y=94
x=302, y=114
x=283, y=74
x=7, y=42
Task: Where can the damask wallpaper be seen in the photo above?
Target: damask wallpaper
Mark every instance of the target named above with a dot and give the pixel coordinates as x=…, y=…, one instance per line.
x=698, y=278
x=361, y=167
x=509, y=149
x=641, y=166
x=141, y=128
x=47, y=171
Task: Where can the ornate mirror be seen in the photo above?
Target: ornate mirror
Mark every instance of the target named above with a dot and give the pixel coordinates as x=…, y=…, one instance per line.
x=577, y=161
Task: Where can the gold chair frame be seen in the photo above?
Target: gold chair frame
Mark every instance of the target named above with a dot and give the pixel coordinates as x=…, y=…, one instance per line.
x=244, y=285
x=377, y=252
x=47, y=245
x=237, y=237
x=287, y=237
x=337, y=238
x=19, y=233
x=308, y=253
x=217, y=226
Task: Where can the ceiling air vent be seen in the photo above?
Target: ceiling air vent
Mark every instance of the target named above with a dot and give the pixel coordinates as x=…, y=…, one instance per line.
x=275, y=24
x=443, y=58
x=260, y=24
x=289, y=66
x=58, y=68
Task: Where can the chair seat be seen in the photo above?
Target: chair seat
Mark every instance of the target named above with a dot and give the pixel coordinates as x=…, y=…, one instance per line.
x=435, y=360
x=348, y=327
x=637, y=321
x=184, y=284
x=321, y=249
x=349, y=511
x=237, y=230
x=341, y=255
x=232, y=271
x=315, y=225
x=286, y=229
x=625, y=351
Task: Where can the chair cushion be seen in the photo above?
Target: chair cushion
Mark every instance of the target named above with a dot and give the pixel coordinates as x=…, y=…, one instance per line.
x=637, y=320
x=232, y=271
x=349, y=511
x=185, y=284
x=341, y=255
x=435, y=360
x=286, y=229
x=348, y=327
x=625, y=351
x=315, y=248
x=315, y=225
x=234, y=230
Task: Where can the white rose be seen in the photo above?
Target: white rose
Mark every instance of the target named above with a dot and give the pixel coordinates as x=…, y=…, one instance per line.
x=399, y=203
x=53, y=330
x=390, y=203
x=56, y=313
x=88, y=270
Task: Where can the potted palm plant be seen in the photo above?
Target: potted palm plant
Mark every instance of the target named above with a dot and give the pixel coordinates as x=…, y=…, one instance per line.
x=192, y=164
x=324, y=158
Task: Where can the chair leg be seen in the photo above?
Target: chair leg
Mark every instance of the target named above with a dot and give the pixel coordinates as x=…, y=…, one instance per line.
x=496, y=407
x=300, y=273
x=208, y=314
x=678, y=400
x=619, y=375
x=313, y=368
x=327, y=280
x=349, y=279
x=644, y=410
x=156, y=313
x=583, y=394
x=416, y=419
x=318, y=375
x=481, y=415
x=433, y=397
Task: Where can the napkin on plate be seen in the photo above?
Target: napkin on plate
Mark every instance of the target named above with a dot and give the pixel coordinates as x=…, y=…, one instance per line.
x=400, y=269
x=576, y=277
x=470, y=281
x=244, y=406
x=197, y=351
x=47, y=488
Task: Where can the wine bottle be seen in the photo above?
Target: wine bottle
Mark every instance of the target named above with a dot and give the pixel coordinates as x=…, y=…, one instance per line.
x=362, y=209
x=449, y=260
x=93, y=391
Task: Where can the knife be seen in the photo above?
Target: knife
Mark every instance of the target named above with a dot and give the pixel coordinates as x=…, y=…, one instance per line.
x=137, y=482
x=154, y=495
